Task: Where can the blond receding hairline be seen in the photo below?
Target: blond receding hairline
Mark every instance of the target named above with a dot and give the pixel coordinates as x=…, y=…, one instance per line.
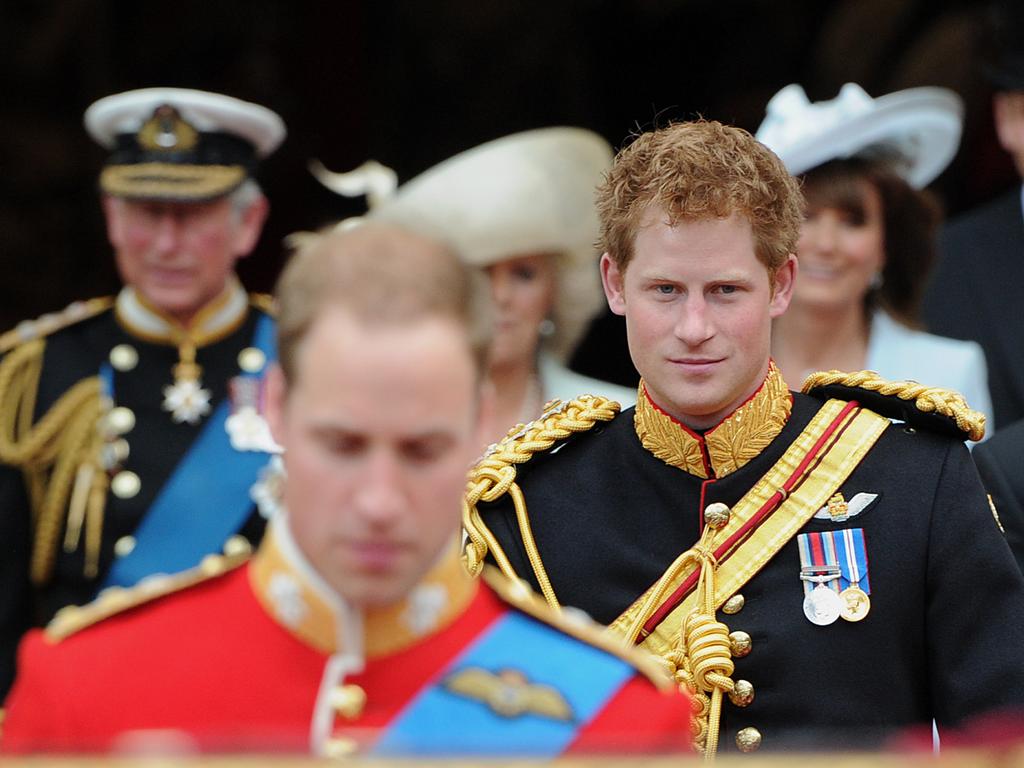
x=382, y=275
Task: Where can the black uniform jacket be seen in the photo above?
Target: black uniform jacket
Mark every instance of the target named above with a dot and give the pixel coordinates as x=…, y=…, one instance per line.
x=1000, y=463
x=947, y=599
x=974, y=293
x=156, y=444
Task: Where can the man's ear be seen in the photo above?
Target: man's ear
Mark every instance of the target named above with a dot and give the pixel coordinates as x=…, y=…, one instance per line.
x=782, y=290
x=112, y=214
x=250, y=226
x=277, y=394
x=612, y=279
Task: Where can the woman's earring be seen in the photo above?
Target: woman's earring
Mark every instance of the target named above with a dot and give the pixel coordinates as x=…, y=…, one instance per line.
x=546, y=327
x=877, y=281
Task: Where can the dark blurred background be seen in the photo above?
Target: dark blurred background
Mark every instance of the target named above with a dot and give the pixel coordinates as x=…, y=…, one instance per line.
x=411, y=83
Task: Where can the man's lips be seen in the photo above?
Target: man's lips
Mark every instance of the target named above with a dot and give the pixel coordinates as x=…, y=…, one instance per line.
x=695, y=364
x=374, y=555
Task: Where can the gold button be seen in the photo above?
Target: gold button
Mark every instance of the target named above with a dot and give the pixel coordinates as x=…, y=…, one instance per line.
x=126, y=484
x=251, y=360
x=120, y=420
x=237, y=545
x=740, y=643
x=742, y=694
x=748, y=739
x=340, y=746
x=124, y=357
x=348, y=701
x=124, y=546
x=717, y=515
x=734, y=604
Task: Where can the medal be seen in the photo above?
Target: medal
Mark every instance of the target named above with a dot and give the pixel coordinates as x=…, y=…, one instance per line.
x=822, y=606
x=856, y=603
x=246, y=426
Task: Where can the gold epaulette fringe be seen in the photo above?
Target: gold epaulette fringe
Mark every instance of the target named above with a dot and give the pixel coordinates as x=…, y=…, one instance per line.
x=943, y=402
x=44, y=325
x=578, y=625
x=495, y=475
x=115, y=600
x=264, y=302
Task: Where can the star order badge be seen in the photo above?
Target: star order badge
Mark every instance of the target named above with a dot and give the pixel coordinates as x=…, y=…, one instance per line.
x=187, y=401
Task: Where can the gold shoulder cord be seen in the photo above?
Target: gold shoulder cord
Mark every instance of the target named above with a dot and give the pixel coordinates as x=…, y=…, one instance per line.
x=60, y=451
x=495, y=475
x=945, y=402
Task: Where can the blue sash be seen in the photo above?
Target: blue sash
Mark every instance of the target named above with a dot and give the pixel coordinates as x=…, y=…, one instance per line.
x=204, y=502
x=439, y=722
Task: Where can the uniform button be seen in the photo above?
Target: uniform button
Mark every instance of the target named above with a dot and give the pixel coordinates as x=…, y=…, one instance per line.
x=348, y=701
x=120, y=420
x=237, y=545
x=717, y=515
x=251, y=360
x=340, y=746
x=124, y=546
x=742, y=694
x=740, y=643
x=748, y=739
x=124, y=357
x=734, y=604
x=126, y=484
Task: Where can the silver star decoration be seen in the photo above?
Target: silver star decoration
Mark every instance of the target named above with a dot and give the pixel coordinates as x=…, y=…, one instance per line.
x=186, y=400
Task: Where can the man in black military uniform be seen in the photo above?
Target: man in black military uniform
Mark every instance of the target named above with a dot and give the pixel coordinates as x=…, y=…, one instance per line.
x=132, y=430
x=817, y=574
x=974, y=291
x=1000, y=461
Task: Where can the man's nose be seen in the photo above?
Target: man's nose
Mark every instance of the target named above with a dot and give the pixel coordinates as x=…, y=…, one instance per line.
x=694, y=325
x=379, y=498
x=167, y=232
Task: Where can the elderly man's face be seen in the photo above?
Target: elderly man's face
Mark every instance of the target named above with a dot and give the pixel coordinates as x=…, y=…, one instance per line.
x=698, y=305
x=379, y=428
x=179, y=256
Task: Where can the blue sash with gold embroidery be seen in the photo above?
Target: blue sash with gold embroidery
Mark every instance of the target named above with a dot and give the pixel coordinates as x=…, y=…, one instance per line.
x=204, y=502
x=521, y=689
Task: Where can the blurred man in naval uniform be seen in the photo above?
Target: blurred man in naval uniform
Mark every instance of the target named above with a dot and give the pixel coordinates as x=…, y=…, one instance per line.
x=132, y=430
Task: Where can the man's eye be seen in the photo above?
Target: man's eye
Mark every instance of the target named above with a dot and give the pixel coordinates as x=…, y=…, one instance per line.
x=726, y=289
x=424, y=451
x=665, y=290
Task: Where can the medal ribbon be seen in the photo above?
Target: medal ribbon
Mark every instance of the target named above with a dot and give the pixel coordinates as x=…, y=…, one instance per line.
x=853, y=558
x=818, y=555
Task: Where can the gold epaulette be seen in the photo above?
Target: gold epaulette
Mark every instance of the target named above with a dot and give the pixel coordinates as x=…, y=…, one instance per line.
x=579, y=625
x=936, y=409
x=44, y=325
x=115, y=600
x=264, y=302
x=495, y=475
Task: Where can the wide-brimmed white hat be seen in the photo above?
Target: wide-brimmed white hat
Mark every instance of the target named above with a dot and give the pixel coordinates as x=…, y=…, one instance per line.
x=179, y=143
x=916, y=131
x=530, y=192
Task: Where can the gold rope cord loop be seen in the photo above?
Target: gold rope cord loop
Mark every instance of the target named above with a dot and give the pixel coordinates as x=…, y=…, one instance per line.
x=50, y=452
x=495, y=476
x=944, y=402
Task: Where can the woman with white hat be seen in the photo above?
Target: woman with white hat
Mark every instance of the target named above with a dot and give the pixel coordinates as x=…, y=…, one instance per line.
x=867, y=243
x=522, y=208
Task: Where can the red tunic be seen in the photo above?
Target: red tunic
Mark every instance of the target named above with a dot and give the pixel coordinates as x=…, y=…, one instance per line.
x=211, y=664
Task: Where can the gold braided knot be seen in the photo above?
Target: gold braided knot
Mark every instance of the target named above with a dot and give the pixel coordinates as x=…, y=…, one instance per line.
x=707, y=644
x=495, y=475
x=944, y=402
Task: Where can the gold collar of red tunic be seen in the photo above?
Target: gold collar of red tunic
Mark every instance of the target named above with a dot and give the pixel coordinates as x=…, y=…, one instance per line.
x=727, y=446
x=298, y=599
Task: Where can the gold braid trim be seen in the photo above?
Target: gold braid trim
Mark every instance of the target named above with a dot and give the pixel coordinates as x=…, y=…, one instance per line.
x=51, y=452
x=44, y=325
x=944, y=402
x=264, y=302
x=495, y=475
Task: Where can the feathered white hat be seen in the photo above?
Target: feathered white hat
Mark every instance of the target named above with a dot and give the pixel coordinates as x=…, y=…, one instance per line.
x=916, y=130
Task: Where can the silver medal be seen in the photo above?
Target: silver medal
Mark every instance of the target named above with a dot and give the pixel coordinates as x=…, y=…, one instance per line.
x=822, y=606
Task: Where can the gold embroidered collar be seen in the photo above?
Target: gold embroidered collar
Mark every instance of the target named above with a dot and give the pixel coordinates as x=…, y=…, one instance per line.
x=298, y=599
x=728, y=445
x=216, y=320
